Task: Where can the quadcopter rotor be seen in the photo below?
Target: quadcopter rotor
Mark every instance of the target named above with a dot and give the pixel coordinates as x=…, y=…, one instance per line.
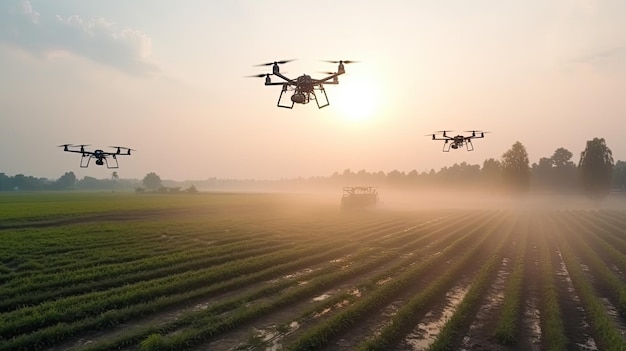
x=341, y=61
x=260, y=75
x=122, y=147
x=274, y=63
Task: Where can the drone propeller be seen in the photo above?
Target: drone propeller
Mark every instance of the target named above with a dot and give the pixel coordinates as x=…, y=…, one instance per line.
x=122, y=147
x=260, y=75
x=475, y=131
x=274, y=63
x=341, y=61
x=444, y=131
x=64, y=145
x=326, y=72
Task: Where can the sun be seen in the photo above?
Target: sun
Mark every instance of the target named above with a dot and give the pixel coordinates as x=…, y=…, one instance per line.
x=357, y=99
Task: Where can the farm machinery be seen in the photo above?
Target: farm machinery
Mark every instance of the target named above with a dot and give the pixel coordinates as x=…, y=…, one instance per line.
x=359, y=197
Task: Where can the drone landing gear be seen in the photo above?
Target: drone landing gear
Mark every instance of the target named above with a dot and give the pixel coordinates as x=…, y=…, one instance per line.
x=303, y=98
x=446, y=146
x=326, y=103
x=284, y=90
x=470, y=146
x=84, y=161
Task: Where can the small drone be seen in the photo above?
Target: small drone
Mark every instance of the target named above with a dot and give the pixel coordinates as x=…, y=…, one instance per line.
x=99, y=155
x=304, y=86
x=456, y=142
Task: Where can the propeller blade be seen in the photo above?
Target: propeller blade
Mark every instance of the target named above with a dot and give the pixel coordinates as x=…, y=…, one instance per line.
x=122, y=147
x=476, y=131
x=64, y=145
x=274, y=63
x=330, y=73
x=261, y=75
x=444, y=131
x=341, y=61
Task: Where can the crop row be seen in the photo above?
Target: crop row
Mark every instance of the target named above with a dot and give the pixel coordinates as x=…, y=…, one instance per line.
x=313, y=286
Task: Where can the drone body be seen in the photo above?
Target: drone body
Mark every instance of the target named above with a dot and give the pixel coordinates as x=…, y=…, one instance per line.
x=304, y=86
x=458, y=141
x=101, y=157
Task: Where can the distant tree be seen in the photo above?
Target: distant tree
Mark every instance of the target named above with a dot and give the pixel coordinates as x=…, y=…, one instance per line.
x=491, y=174
x=114, y=176
x=596, y=168
x=564, y=175
x=561, y=158
x=4, y=182
x=618, y=177
x=67, y=181
x=542, y=173
x=516, y=169
x=152, y=181
x=191, y=190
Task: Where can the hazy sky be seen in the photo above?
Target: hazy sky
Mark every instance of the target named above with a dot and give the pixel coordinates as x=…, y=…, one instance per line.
x=167, y=78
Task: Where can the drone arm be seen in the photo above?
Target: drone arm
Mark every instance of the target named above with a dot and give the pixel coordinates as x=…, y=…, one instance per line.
x=332, y=76
x=76, y=151
x=278, y=74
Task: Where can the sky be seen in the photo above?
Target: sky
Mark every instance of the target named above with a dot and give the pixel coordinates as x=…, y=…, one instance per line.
x=168, y=79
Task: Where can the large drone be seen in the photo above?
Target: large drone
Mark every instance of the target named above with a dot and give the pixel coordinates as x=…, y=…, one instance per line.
x=303, y=87
x=99, y=155
x=457, y=141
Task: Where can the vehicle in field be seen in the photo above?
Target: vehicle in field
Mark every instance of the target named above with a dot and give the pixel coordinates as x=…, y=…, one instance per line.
x=359, y=197
x=99, y=155
x=304, y=86
x=458, y=141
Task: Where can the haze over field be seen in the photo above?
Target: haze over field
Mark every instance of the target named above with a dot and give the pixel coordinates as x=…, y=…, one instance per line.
x=166, y=78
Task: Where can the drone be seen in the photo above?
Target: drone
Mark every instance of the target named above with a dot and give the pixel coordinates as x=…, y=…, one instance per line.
x=457, y=141
x=99, y=155
x=304, y=86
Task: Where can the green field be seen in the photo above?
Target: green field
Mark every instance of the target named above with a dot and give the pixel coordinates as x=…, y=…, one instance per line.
x=235, y=271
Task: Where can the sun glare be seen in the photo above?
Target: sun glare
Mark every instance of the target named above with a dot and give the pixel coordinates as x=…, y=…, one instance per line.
x=356, y=99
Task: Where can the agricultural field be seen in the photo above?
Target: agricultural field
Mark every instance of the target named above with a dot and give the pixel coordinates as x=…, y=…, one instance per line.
x=219, y=271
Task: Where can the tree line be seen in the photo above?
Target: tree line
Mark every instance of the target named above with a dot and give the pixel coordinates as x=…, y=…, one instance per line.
x=595, y=174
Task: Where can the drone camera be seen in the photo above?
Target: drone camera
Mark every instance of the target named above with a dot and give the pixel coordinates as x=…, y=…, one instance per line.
x=454, y=146
x=298, y=98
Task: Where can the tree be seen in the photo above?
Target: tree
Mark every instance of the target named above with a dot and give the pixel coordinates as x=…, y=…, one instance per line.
x=564, y=175
x=596, y=168
x=515, y=169
x=561, y=158
x=67, y=181
x=491, y=173
x=152, y=181
x=114, y=176
x=618, y=177
x=543, y=173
